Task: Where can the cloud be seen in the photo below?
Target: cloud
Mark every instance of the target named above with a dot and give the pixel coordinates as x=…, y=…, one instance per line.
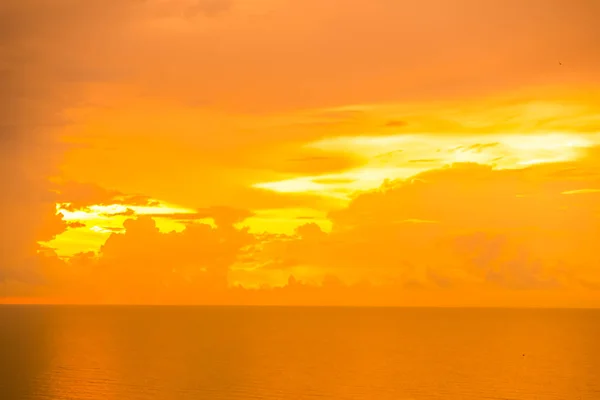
x=127, y=213
x=76, y=196
x=396, y=124
x=485, y=235
x=113, y=229
x=454, y=235
x=293, y=158
x=80, y=196
x=477, y=147
x=320, y=164
x=188, y=9
x=167, y=266
x=342, y=115
x=170, y=102
x=44, y=65
x=328, y=180
x=163, y=55
x=582, y=191
x=425, y=160
x=222, y=216
x=28, y=113
x=155, y=71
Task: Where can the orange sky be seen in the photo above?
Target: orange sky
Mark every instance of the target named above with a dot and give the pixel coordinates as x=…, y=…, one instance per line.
x=364, y=152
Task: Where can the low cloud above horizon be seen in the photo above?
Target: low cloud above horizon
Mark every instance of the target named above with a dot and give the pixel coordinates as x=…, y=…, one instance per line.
x=279, y=152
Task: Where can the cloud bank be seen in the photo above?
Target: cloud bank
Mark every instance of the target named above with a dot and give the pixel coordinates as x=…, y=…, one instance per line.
x=117, y=103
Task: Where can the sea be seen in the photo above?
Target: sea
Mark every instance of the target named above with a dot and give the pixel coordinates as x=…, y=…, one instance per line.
x=231, y=353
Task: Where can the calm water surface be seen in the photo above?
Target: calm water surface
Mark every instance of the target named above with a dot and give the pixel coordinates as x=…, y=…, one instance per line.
x=160, y=353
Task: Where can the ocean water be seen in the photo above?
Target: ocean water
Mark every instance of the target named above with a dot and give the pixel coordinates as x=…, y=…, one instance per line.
x=167, y=353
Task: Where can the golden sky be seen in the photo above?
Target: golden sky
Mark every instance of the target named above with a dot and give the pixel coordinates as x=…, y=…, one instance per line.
x=319, y=152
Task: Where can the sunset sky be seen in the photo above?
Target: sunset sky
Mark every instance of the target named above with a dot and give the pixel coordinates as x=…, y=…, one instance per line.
x=306, y=152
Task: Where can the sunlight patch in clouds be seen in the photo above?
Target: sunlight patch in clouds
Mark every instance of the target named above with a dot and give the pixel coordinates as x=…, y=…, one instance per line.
x=401, y=156
x=582, y=191
x=285, y=221
x=99, y=221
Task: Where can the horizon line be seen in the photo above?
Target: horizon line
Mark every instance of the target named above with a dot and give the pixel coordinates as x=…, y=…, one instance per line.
x=125, y=305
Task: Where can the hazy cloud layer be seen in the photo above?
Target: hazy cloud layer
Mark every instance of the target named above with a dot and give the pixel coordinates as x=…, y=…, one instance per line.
x=462, y=229
x=121, y=102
